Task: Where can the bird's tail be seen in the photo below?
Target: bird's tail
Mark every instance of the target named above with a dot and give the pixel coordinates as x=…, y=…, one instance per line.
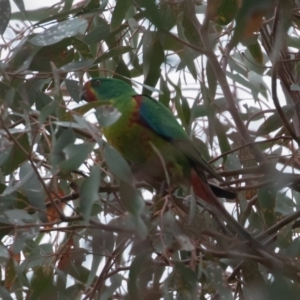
x=203, y=191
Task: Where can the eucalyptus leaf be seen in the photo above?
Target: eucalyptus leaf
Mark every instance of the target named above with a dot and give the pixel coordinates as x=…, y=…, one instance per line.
x=5, y=14
x=131, y=199
x=267, y=201
x=113, y=52
x=73, y=89
x=97, y=34
x=74, y=156
x=117, y=164
x=274, y=122
x=33, y=189
x=107, y=115
x=89, y=192
x=59, y=31
x=77, y=65
x=119, y=13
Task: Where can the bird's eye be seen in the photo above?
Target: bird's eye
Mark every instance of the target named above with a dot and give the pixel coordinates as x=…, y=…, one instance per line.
x=97, y=82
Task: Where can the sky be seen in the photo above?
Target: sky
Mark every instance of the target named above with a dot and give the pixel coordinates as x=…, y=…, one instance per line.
x=32, y=4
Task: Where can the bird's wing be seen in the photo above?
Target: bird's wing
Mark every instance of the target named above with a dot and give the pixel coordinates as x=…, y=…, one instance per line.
x=156, y=116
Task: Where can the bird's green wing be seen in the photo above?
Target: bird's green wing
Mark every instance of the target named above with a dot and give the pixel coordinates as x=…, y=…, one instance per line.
x=161, y=120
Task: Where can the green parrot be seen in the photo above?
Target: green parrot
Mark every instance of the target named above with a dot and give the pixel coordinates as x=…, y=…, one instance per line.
x=150, y=138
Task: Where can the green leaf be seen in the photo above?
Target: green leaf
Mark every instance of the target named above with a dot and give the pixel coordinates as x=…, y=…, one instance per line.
x=17, y=156
x=5, y=153
x=117, y=164
x=97, y=34
x=241, y=80
x=81, y=110
x=58, y=53
x=3, y=291
x=139, y=264
x=211, y=113
x=182, y=107
x=38, y=255
x=256, y=52
x=131, y=199
x=215, y=275
x=232, y=162
x=122, y=72
x=73, y=89
x=57, y=156
x=56, y=16
x=202, y=147
x=48, y=110
x=115, y=283
x=107, y=115
x=284, y=204
x=59, y=31
x=189, y=30
x=164, y=97
x=81, y=47
x=113, y=52
x=285, y=236
x=132, y=224
x=253, y=279
x=36, y=14
x=184, y=281
x=246, y=17
x=151, y=12
x=94, y=268
x=88, y=193
x=211, y=80
x=24, y=179
x=16, y=217
x=222, y=137
x=22, y=57
x=225, y=11
x=4, y=255
x=39, y=98
x=282, y=288
x=5, y=14
x=77, y=65
x=153, y=57
x=274, y=122
x=267, y=200
x=23, y=235
x=10, y=96
x=33, y=189
x=75, y=155
x=119, y=13
x=237, y=65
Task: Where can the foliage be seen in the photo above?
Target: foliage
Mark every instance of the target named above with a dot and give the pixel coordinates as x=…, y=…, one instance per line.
x=73, y=224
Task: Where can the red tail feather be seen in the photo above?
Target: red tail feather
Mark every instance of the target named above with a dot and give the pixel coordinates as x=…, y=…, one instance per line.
x=202, y=189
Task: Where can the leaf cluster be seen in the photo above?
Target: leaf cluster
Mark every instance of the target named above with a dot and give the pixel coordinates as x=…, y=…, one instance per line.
x=73, y=224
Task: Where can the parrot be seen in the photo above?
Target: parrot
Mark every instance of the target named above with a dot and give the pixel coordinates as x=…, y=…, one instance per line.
x=150, y=138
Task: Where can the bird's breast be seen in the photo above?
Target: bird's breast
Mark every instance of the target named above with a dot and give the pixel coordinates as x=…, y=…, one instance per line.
x=129, y=135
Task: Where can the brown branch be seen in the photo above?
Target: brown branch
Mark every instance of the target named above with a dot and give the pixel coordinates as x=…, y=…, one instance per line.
x=273, y=229
x=220, y=75
x=281, y=113
x=49, y=195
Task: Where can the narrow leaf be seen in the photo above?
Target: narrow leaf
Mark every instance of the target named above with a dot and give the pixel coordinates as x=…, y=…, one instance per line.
x=59, y=31
x=5, y=13
x=89, y=192
x=119, y=13
x=117, y=164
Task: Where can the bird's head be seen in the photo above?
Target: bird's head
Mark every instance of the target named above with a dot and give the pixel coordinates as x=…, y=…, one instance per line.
x=105, y=89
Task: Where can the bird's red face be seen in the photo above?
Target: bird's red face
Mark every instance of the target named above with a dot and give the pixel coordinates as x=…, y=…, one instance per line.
x=88, y=93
